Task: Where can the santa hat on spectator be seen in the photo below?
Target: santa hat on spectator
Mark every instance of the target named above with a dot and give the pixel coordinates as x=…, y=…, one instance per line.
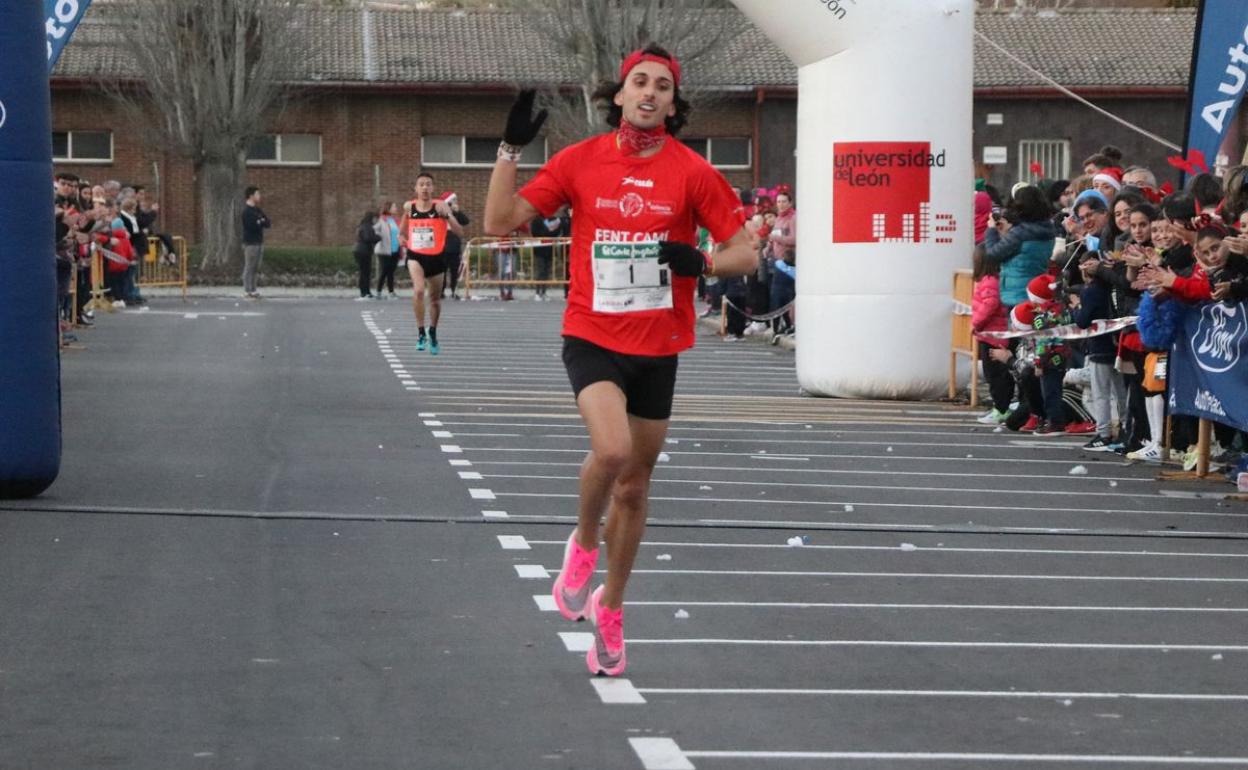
x=1040, y=288
x=449, y=198
x=1023, y=317
x=1111, y=176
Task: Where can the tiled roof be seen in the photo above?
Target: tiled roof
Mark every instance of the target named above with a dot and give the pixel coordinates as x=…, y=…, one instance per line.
x=1084, y=48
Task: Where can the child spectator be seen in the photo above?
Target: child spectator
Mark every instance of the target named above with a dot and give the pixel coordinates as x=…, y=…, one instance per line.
x=988, y=314
x=1093, y=304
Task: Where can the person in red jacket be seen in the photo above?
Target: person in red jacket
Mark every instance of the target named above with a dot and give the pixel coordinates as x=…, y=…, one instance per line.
x=989, y=314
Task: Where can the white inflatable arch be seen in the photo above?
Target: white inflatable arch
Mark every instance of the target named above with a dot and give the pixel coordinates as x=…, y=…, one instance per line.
x=884, y=186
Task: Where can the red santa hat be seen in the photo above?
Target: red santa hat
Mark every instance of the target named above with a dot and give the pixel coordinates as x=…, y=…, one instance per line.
x=1023, y=317
x=449, y=198
x=1111, y=176
x=1040, y=288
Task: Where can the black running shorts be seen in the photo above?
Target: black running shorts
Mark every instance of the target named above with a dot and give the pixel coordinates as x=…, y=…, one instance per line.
x=433, y=265
x=647, y=381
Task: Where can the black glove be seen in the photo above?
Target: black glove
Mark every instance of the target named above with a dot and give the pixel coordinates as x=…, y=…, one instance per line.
x=683, y=259
x=522, y=124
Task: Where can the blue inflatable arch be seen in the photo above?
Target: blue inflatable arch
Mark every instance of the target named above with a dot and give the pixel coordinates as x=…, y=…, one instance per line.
x=30, y=387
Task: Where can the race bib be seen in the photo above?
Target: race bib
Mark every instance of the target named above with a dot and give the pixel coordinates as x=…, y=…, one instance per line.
x=628, y=278
x=426, y=236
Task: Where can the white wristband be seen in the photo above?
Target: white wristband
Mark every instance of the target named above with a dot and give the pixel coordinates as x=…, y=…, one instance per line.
x=509, y=152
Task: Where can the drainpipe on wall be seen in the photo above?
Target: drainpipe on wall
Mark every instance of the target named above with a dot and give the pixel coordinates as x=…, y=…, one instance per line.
x=760, y=94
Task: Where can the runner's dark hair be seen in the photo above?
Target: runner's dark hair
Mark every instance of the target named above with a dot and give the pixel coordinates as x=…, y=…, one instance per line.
x=424, y=174
x=614, y=113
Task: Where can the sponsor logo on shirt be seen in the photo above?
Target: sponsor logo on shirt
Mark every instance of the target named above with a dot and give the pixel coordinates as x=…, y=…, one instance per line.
x=632, y=205
x=635, y=182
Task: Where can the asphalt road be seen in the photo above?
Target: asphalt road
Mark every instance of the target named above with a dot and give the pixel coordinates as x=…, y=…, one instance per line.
x=282, y=538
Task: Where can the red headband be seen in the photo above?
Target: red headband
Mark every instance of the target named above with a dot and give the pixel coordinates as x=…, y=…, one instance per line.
x=637, y=57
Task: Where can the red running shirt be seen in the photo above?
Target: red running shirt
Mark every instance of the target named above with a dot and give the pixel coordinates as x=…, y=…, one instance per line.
x=616, y=198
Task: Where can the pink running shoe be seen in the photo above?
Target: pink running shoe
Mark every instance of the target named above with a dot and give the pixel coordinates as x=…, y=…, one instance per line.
x=606, y=656
x=571, y=588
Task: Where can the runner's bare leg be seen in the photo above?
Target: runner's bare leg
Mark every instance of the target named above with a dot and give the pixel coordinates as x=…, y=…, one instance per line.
x=435, y=298
x=418, y=290
x=615, y=477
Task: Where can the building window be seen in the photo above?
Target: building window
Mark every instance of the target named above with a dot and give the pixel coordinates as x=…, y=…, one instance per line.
x=285, y=150
x=82, y=146
x=724, y=151
x=442, y=150
x=1053, y=155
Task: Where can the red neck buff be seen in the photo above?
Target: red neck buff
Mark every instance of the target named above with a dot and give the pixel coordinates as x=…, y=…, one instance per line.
x=634, y=141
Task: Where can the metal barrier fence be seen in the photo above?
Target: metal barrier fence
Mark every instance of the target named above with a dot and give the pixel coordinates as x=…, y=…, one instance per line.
x=164, y=269
x=99, y=292
x=963, y=337
x=510, y=262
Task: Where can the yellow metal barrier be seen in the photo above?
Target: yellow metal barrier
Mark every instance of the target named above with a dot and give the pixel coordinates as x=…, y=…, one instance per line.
x=99, y=292
x=167, y=269
x=508, y=262
x=963, y=337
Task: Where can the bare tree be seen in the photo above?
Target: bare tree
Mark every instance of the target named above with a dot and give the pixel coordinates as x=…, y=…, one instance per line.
x=594, y=35
x=207, y=77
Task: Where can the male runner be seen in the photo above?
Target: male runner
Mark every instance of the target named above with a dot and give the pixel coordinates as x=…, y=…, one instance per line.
x=424, y=227
x=639, y=196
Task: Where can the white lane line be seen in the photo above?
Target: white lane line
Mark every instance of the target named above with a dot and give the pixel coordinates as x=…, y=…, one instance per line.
x=451, y=449
x=934, y=506
x=545, y=602
x=660, y=754
x=245, y=314
x=780, y=458
x=396, y=366
x=461, y=463
x=1008, y=694
x=926, y=549
x=671, y=467
x=531, y=571
x=616, y=691
x=443, y=434
x=410, y=387
x=190, y=316
x=470, y=475
x=426, y=414
x=481, y=494
x=513, y=543
x=949, y=645
x=701, y=453
x=941, y=575
x=577, y=641
x=433, y=423
x=921, y=757
x=1083, y=493
x=495, y=514
x=942, y=607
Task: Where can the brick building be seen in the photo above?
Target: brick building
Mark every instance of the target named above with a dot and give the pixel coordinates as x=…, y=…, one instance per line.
x=371, y=109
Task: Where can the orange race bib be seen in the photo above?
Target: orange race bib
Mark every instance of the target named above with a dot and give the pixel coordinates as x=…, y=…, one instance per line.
x=426, y=236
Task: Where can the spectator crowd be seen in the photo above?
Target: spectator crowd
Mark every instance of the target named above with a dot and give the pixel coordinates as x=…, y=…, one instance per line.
x=1109, y=244
x=760, y=303
x=108, y=219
